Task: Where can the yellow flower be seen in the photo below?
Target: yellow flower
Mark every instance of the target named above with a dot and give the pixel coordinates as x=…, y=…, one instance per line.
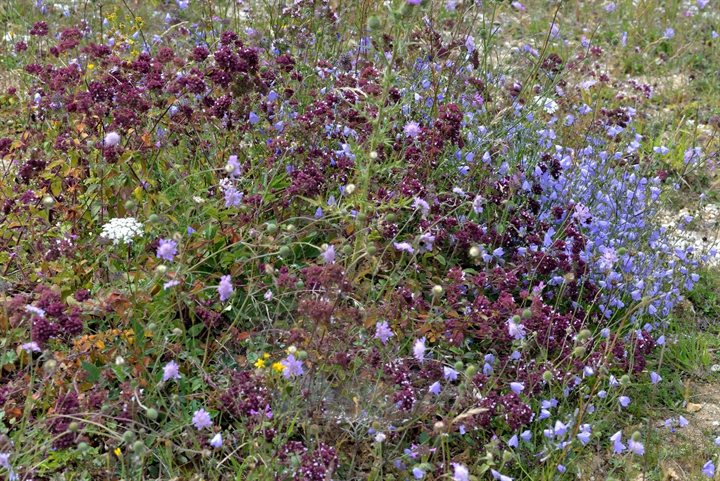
x=118, y=452
x=278, y=367
x=266, y=356
x=260, y=363
x=91, y=66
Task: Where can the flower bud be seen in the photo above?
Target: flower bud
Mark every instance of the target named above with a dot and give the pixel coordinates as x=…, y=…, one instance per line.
x=349, y=189
x=373, y=153
x=507, y=456
x=471, y=370
x=474, y=252
x=292, y=350
x=437, y=290
x=119, y=361
x=516, y=319
x=290, y=227
x=161, y=269
x=271, y=227
x=229, y=168
x=48, y=201
x=284, y=251
x=73, y=427
x=579, y=351
x=151, y=327
x=177, y=332
x=152, y=414
x=624, y=380
x=636, y=436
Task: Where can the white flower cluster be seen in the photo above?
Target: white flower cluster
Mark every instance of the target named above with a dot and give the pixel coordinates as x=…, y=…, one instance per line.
x=122, y=230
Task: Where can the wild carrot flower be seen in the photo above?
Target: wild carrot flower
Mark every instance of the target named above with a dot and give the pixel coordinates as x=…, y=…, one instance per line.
x=201, y=419
x=167, y=249
x=225, y=288
x=122, y=230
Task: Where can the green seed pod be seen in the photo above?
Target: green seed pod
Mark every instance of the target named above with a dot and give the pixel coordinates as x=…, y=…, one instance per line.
x=302, y=355
x=471, y=370
x=347, y=249
x=390, y=217
x=459, y=366
x=622, y=251
x=373, y=22
x=636, y=436
x=152, y=414
x=83, y=447
x=371, y=249
x=547, y=376
x=579, y=351
x=584, y=335
x=73, y=427
x=151, y=327
x=284, y=251
x=625, y=380
x=153, y=218
x=300, y=284
x=527, y=314
x=128, y=436
x=49, y=366
x=271, y=228
x=507, y=456
x=290, y=227
x=138, y=446
x=516, y=319
x=130, y=204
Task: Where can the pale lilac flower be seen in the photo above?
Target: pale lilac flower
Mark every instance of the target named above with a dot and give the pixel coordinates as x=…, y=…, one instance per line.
x=450, y=374
x=517, y=387
x=31, y=346
x=216, y=441
x=419, y=350
x=293, y=367
x=618, y=446
x=328, y=254
x=655, y=377
x=111, y=139
x=35, y=311
x=253, y=118
x=167, y=249
x=426, y=241
x=170, y=284
x=669, y=33
x=526, y=436
x=201, y=419
x=225, y=288
x=404, y=247
x=682, y=422
x=500, y=477
x=233, y=197
x=560, y=429
x=460, y=473
x=702, y=3
x=516, y=330
x=477, y=204
x=412, y=129
x=171, y=371
x=709, y=469
x=435, y=388
x=717, y=441
x=624, y=401
x=418, y=473
x=383, y=331
x=233, y=166
x=518, y=6
x=561, y=468
x=636, y=447
x=584, y=437
x=422, y=205
x=513, y=441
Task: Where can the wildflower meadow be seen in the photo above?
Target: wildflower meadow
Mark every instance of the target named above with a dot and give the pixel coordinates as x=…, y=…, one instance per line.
x=327, y=240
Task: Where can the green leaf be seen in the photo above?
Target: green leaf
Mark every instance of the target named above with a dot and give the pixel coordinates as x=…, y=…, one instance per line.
x=92, y=370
